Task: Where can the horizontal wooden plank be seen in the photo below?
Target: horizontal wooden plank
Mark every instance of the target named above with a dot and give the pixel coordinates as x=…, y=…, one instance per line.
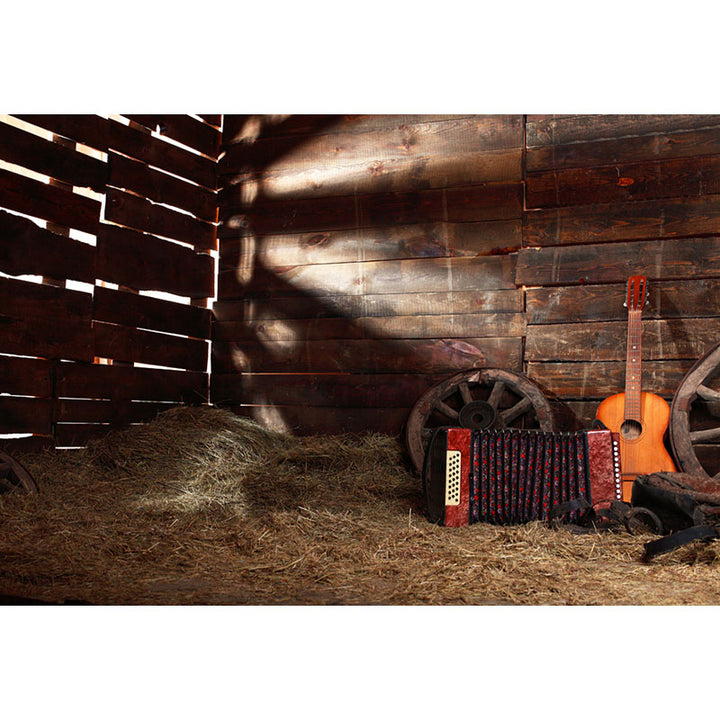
x=683, y=144
x=25, y=415
x=633, y=220
x=140, y=214
x=588, y=303
x=685, y=338
x=368, y=356
x=676, y=259
x=45, y=321
x=49, y=158
x=492, y=272
x=378, y=243
x=25, y=376
x=116, y=382
x=127, y=344
x=149, y=313
x=161, y=154
x=411, y=326
x=598, y=380
x=559, y=130
x=251, y=128
x=185, y=129
x=158, y=186
x=27, y=249
x=476, y=203
x=351, y=390
x=326, y=421
x=106, y=411
x=165, y=266
x=622, y=182
x=91, y=130
x=320, y=169
x=48, y=202
x=385, y=305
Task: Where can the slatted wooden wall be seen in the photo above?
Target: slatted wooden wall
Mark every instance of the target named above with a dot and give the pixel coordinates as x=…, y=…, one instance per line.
x=608, y=197
x=107, y=267
x=363, y=258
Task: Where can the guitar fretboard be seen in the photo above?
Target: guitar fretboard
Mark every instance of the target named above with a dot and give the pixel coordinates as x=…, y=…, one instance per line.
x=633, y=370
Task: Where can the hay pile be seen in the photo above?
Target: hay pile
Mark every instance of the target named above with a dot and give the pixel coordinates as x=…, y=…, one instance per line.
x=204, y=507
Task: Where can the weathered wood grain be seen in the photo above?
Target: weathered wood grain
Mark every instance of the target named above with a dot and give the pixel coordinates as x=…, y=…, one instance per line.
x=411, y=326
x=106, y=411
x=48, y=202
x=595, y=153
x=677, y=259
x=115, y=382
x=563, y=129
x=632, y=220
x=588, y=303
x=50, y=158
x=27, y=249
x=685, y=338
x=378, y=243
x=134, y=310
x=478, y=203
x=165, y=266
x=118, y=342
x=422, y=275
x=140, y=214
x=598, y=380
x=367, y=355
x=678, y=177
x=384, y=305
x=126, y=173
x=185, y=129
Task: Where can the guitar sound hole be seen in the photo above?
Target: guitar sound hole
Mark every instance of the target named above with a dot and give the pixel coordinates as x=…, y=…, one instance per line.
x=630, y=430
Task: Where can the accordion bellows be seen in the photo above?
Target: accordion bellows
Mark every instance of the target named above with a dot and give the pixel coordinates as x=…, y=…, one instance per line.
x=508, y=477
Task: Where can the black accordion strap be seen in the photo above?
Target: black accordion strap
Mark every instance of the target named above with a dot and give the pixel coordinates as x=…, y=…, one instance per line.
x=678, y=539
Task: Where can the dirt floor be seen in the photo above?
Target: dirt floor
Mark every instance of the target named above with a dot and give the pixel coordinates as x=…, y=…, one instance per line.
x=203, y=507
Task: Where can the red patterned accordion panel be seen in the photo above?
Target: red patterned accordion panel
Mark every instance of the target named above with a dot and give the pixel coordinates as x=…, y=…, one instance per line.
x=507, y=477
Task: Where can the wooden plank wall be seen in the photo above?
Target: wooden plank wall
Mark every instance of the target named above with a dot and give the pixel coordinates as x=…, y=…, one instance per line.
x=116, y=211
x=362, y=259
x=608, y=197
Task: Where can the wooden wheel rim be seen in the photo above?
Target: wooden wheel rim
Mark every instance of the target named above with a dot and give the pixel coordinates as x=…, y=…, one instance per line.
x=16, y=477
x=532, y=401
x=681, y=437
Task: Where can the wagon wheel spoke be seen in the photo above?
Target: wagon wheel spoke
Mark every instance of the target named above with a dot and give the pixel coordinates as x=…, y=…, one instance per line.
x=700, y=436
x=496, y=393
x=465, y=392
x=507, y=416
x=707, y=393
x=445, y=410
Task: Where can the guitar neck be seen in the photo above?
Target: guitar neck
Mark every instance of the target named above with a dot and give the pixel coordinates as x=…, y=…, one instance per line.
x=633, y=369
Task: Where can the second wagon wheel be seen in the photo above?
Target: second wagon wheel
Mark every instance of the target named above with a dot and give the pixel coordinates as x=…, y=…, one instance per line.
x=694, y=429
x=476, y=399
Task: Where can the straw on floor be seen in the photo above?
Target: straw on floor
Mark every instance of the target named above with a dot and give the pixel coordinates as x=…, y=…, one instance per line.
x=205, y=507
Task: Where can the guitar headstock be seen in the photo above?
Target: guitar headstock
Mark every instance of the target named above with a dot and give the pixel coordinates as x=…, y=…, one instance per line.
x=636, y=292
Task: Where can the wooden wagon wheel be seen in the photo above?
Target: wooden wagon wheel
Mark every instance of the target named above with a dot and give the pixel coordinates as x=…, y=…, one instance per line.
x=480, y=398
x=14, y=477
x=695, y=417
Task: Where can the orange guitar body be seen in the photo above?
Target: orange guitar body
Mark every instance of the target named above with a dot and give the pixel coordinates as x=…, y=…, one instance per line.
x=642, y=448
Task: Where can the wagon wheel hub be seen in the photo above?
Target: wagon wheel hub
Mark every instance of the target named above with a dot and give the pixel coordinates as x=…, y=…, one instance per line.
x=477, y=415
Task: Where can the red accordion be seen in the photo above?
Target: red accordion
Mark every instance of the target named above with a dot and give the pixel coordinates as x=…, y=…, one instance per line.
x=508, y=477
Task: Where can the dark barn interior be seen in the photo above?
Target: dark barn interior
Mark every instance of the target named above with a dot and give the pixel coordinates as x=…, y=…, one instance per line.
x=317, y=275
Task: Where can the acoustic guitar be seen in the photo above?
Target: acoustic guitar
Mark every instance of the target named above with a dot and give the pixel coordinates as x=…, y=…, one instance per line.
x=640, y=418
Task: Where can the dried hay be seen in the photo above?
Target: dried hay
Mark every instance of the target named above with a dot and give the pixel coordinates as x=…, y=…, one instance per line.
x=205, y=507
